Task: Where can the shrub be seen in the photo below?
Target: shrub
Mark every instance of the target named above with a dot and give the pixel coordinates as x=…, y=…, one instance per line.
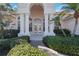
x=59, y=32
x=10, y=33
x=10, y=43
x=19, y=40
x=67, y=45
x=4, y=44
x=26, y=50
x=7, y=44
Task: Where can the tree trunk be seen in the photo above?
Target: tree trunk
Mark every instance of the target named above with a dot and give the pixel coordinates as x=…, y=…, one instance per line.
x=1, y=32
x=62, y=31
x=75, y=27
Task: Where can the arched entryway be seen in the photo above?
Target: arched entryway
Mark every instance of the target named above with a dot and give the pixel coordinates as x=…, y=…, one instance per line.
x=36, y=18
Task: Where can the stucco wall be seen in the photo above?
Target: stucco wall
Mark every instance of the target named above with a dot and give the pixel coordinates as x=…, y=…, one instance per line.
x=12, y=25
x=69, y=24
x=77, y=31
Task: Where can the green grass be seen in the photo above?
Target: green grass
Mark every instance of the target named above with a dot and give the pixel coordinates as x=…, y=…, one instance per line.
x=68, y=45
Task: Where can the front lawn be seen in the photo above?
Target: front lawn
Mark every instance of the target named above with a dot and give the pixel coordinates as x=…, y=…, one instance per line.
x=68, y=45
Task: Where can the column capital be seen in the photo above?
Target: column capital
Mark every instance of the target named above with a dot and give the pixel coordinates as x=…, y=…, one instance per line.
x=45, y=13
x=24, y=13
x=27, y=14
x=21, y=14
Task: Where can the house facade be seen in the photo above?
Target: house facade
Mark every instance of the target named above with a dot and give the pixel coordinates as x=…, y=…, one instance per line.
x=35, y=18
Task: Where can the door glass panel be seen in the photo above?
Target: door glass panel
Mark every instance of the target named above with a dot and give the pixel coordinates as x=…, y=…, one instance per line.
x=35, y=27
x=39, y=27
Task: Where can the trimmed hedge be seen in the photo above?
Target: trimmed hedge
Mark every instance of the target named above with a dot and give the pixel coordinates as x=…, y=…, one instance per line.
x=19, y=40
x=11, y=33
x=26, y=50
x=68, y=45
x=59, y=32
x=4, y=46
x=7, y=44
x=19, y=46
x=10, y=43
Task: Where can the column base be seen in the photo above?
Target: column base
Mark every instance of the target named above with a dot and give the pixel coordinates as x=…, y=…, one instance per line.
x=23, y=34
x=27, y=34
x=20, y=34
x=49, y=34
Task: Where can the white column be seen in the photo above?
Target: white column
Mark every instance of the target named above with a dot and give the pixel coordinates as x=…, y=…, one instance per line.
x=16, y=21
x=46, y=25
x=51, y=28
x=27, y=24
x=21, y=25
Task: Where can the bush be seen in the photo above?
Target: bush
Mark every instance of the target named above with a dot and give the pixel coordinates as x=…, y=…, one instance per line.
x=10, y=33
x=10, y=43
x=19, y=40
x=26, y=50
x=68, y=45
x=7, y=44
x=4, y=46
x=59, y=32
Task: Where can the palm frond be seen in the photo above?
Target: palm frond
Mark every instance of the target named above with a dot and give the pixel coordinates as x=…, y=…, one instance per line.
x=57, y=19
x=70, y=6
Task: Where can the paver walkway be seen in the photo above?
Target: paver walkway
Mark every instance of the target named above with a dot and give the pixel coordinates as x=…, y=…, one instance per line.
x=36, y=41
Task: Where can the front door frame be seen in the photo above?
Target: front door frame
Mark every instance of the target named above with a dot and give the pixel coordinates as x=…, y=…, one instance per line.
x=38, y=25
x=38, y=29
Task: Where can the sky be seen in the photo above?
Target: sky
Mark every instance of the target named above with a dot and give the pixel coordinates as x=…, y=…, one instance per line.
x=57, y=6
x=14, y=5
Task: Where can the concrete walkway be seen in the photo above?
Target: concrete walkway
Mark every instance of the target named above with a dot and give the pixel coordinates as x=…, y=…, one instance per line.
x=36, y=41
